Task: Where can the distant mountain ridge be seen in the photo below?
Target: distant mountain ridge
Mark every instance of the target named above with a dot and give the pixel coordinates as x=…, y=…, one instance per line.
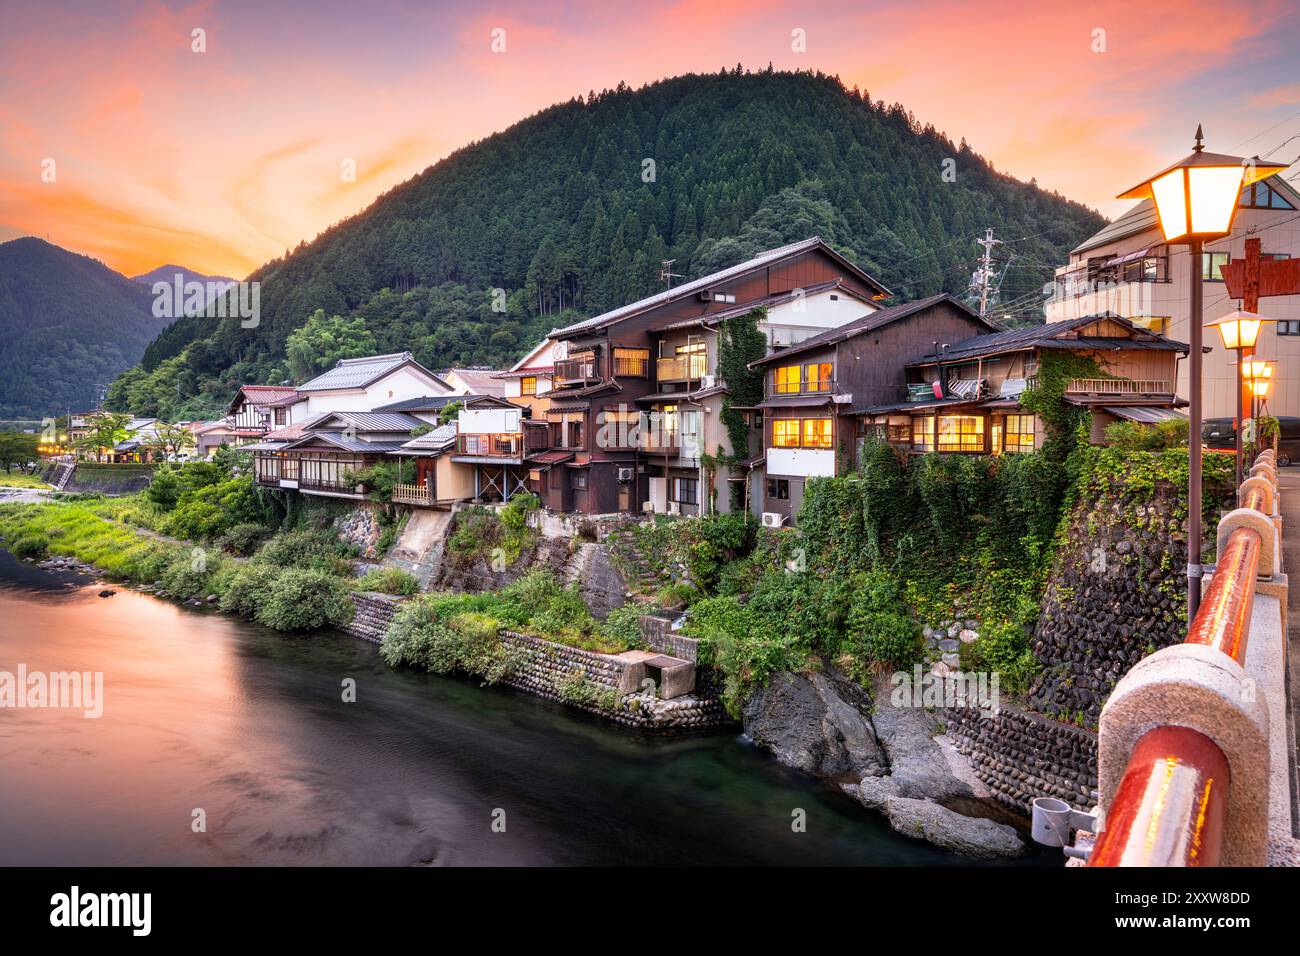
x=572, y=211
x=67, y=324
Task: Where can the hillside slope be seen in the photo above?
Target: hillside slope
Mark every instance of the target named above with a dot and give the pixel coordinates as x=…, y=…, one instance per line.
x=67, y=323
x=572, y=210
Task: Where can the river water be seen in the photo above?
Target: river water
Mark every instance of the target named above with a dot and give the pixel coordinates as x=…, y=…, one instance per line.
x=204, y=711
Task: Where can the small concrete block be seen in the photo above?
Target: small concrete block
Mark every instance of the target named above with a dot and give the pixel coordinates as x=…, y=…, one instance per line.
x=1262, y=484
x=1258, y=522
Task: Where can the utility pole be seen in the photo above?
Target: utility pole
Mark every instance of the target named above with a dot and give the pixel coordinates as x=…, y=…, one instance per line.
x=983, y=277
x=666, y=271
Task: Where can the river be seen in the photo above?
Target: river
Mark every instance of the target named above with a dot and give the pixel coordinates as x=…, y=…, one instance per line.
x=204, y=711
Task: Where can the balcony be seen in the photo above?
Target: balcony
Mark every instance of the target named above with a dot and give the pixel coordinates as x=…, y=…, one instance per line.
x=490, y=446
x=684, y=368
x=1124, y=387
x=575, y=371
x=412, y=494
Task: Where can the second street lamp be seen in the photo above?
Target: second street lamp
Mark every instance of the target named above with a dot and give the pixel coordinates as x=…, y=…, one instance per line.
x=1239, y=332
x=1196, y=201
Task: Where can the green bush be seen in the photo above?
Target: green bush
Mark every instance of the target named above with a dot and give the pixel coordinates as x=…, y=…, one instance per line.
x=879, y=633
x=304, y=549
x=305, y=598
x=29, y=546
x=427, y=633
x=1137, y=436
x=242, y=539
x=206, y=512
x=388, y=581
x=189, y=574
x=247, y=589
x=1004, y=648
x=623, y=626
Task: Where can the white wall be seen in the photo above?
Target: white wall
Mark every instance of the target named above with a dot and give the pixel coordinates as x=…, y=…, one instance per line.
x=801, y=462
x=513, y=387
x=484, y=421
x=397, y=386
x=791, y=322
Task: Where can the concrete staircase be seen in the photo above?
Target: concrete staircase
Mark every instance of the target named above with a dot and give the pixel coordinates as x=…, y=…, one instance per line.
x=62, y=474
x=418, y=549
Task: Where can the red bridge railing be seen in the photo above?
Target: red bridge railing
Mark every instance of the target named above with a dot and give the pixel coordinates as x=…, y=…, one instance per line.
x=1172, y=800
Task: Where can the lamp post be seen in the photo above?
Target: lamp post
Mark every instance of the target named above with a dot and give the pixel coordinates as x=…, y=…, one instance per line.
x=1196, y=201
x=1239, y=332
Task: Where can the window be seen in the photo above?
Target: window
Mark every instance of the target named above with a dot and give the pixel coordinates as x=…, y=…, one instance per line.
x=785, y=433
x=528, y=385
x=923, y=433
x=787, y=379
x=778, y=489
x=961, y=433
x=817, y=377
x=1210, y=263
x=1289, y=327
x=758, y=420
x=579, y=479
x=898, y=433
x=281, y=417
x=686, y=491
x=632, y=362
x=1019, y=433
x=817, y=433
x=1262, y=195
x=692, y=358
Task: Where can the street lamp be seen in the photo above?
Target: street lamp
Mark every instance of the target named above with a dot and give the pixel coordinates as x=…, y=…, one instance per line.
x=1196, y=200
x=1239, y=331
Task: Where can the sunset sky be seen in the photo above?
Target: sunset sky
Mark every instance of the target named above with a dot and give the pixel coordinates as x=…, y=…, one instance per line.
x=223, y=159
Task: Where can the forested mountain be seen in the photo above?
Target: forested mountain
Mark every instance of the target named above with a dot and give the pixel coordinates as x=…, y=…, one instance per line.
x=67, y=324
x=572, y=210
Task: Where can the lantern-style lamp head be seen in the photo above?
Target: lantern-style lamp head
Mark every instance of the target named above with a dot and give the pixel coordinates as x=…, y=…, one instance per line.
x=1196, y=197
x=1239, y=330
x=1256, y=368
x=1259, y=387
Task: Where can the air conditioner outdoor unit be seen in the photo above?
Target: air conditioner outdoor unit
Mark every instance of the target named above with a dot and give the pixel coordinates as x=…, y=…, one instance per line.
x=626, y=474
x=706, y=381
x=674, y=508
x=648, y=507
x=772, y=519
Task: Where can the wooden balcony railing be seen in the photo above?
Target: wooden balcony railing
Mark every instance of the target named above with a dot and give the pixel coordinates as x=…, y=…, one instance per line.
x=571, y=371
x=684, y=368
x=1119, y=386
x=1173, y=798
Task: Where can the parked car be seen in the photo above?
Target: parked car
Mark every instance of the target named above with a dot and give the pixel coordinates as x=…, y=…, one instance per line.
x=1220, y=433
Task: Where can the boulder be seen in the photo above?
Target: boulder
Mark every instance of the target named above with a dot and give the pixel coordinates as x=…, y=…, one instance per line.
x=973, y=837
x=818, y=723
x=917, y=764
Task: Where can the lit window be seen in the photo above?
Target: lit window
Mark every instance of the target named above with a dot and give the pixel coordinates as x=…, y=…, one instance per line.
x=787, y=379
x=785, y=433
x=528, y=385
x=817, y=433
x=961, y=433
x=633, y=362
x=923, y=433
x=1020, y=433
x=817, y=377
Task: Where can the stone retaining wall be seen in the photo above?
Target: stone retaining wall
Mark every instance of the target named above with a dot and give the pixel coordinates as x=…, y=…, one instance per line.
x=374, y=612
x=1021, y=755
x=598, y=684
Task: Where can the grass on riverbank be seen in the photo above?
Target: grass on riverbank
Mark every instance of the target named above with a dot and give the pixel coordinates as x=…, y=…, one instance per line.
x=17, y=480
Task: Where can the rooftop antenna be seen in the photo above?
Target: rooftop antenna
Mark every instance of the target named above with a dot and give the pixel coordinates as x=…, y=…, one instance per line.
x=666, y=272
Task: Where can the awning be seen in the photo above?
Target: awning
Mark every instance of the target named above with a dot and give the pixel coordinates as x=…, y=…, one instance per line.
x=1131, y=257
x=560, y=408
x=550, y=458
x=1148, y=414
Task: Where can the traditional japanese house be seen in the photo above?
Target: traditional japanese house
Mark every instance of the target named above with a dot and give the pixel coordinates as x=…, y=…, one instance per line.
x=965, y=396
x=635, y=408
x=528, y=382
x=815, y=390
x=329, y=454
x=258, y=409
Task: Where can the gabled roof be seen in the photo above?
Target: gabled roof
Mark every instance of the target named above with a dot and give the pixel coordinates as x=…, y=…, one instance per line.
x=345, y=442
x=763, y=259
x=296, y=431
x=869, y=323
x=360, y=372
x=538, y=358
x=1054, y=335
x=370, y=421
x=439, y=439
x=481, y=381
x=263, y=395
x=780, y=298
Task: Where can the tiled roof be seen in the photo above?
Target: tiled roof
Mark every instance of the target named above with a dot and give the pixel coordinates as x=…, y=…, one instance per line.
x=360, y=372
x=532, y=371
x=436, y=403
x=435, y=440
x=339, y=440
x=715, y=278
x=481, y=381
x=1052, y=335
x=265, y=394
x=868, y=323
x=377, y=421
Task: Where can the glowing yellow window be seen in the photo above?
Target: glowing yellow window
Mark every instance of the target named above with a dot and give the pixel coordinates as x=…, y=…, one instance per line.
x=1020, y=433
x=817, y=432
x=787, y=379
x=817, y=377
x=785, y=433
x=961, y=433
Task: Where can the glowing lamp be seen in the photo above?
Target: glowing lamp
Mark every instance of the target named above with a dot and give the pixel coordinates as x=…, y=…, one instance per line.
x=1259, y=387
x=1196, y=197
x=1257, y=368
x=1239, y=330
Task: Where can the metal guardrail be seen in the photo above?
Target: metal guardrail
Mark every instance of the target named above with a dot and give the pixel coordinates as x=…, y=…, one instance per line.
x=1173, y=799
